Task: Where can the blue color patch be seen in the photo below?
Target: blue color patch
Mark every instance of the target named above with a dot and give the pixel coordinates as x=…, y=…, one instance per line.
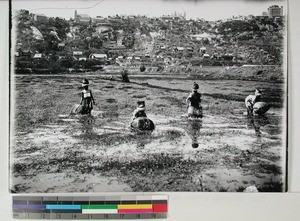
x=64, y=207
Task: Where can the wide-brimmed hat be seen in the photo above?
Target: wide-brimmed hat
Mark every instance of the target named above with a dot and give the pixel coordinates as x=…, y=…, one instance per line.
x=195, y=145
x=85, y=82
x=195, y=86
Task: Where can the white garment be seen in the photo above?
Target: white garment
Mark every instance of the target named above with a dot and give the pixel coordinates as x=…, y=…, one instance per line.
x=249, y=101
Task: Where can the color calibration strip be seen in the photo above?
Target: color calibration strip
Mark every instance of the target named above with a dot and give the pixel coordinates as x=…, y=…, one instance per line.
x=90, y=207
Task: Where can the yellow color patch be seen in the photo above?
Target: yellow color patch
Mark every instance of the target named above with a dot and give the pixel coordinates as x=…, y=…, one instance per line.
x=135, y=206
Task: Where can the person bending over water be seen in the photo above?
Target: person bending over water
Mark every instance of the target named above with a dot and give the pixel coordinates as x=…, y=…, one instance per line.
x=252, y=99
x=140, y=121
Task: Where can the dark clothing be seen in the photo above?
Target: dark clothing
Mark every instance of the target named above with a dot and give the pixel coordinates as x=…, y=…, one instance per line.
x=86, y=101
x=139, y=113
x=194, y=100
x=257, y=99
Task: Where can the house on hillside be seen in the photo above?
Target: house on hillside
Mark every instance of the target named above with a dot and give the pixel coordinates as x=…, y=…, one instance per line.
x=77, y=54
x=38, y=56
x=98, y=56
x=163, y=47
x=203, y=50
x=117, y=50
x=82, y=18
x=190, y=49
x=40, y=18
x=216, y=55
x=74, y=29
x=82, y=59
x=227, y=57
x=61, y=45
x=103, y=27
x=179, y=49
x=25, y=53
x=98, y=19
x=275, y=11
x=206, y=56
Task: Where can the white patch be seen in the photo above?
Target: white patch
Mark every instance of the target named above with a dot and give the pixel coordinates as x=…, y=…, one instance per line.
x=85, y=95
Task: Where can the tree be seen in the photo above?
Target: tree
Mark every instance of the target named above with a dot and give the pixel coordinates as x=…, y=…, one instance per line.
x=96, y=42
x=62, y=27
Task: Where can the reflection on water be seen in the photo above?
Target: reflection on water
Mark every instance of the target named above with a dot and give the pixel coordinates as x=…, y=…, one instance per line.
x=229, y=159
x=87, y=126
x=142, y=139
x=256, y=122
x=194, y=132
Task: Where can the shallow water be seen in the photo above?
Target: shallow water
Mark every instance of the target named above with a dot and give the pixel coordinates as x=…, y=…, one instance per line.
x=220, y=152
x=93, y=145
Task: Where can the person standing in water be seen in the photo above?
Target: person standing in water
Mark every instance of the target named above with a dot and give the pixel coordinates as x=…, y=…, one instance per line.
x=252, y=99
x=194, y=102
x=87, y=99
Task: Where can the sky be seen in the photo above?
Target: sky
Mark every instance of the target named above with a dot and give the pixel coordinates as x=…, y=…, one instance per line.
x=208, y=9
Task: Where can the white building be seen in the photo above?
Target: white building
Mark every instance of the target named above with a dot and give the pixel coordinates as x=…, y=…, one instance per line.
x=40, y=17
x=38, y=56
x=275, y=11
x=98, y=56
x=82, y=18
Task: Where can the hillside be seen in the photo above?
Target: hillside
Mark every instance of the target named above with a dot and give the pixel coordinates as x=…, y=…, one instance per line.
x=58, y=45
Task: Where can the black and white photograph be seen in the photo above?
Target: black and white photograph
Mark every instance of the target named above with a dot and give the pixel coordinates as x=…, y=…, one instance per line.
x=148, y=96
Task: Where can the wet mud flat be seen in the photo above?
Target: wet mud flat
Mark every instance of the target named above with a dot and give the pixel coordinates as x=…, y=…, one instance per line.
x=54, y=152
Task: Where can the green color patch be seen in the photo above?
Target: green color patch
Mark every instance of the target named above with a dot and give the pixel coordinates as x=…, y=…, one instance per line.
x=108, y=206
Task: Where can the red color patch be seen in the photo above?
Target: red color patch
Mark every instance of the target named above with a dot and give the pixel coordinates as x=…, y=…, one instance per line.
x=160, y=208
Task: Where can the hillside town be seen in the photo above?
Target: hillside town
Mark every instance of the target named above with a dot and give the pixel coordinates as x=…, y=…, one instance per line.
x=83, y=43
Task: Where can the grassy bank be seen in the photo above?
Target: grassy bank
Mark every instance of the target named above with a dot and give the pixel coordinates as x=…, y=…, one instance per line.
x=246, y=73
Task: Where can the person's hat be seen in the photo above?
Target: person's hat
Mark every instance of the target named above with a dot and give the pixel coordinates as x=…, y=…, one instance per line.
x=195, y=145
x=257, y=92
x=85, y=82
x=195, y=86
x=141, y=104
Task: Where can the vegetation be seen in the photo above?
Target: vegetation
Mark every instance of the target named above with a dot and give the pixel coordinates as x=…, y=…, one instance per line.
x=255, y=40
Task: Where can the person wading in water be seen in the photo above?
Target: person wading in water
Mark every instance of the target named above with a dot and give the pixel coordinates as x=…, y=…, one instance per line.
x=194, y=102
x=87, y=99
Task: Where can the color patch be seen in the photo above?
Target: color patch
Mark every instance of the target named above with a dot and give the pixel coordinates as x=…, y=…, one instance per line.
x=29, y=206
x=100, y=206
x=160, y=208
x=95, y=207
x=135, y=206
x=99, y=211
x=63, y=207
x=135, y=211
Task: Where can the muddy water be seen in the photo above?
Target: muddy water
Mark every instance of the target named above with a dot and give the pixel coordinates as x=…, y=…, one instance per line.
x=100, y=153
x=86, y=155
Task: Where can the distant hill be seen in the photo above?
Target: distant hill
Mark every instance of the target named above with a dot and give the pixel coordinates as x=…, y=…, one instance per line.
x=255, y=40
